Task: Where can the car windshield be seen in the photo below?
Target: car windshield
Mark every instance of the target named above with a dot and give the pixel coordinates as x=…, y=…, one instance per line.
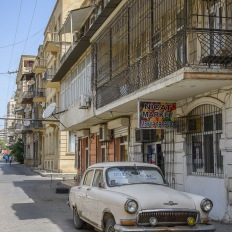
x=117, y=176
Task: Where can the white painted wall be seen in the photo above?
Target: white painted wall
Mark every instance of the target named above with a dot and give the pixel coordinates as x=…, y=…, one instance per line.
x=212, y=188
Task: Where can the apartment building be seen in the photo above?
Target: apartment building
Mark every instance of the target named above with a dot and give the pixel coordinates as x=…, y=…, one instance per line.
x=147, y=56
x=24, y=108
x=58, y=155
x=10, y=124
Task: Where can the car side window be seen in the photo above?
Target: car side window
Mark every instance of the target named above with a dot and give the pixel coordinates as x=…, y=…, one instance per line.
x=98, y=178
x=88, y=178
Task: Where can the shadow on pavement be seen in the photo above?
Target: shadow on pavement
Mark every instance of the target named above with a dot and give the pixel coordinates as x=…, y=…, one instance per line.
x=44, y=203
x=9, y=169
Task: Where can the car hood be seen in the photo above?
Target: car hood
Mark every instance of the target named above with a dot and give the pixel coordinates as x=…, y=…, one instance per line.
x=156, y=196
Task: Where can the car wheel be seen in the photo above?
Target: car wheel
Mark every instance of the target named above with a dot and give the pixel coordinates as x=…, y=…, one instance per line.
x=78, y=222
x=110, y=225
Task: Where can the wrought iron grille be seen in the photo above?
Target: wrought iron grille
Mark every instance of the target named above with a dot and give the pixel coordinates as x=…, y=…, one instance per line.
x=203, y=127
x=168, y=216
x=148, y=40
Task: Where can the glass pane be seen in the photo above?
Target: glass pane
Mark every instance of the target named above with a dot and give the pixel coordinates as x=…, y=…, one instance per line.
x=208, y=153
x=117, y=176
x=219, y=156
x=88, y=178
x=208, y=123
x=98, y=178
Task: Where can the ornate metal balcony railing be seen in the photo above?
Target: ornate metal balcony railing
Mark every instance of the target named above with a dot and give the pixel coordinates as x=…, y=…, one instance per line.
x=49, y=74
x=39, y=62
x=38, y=125
x=51, y=37
x=40, y=92
x=147, y=41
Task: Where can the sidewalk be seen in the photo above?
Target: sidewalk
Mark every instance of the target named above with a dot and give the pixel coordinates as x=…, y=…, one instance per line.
x=221, y=226
x=64, y=179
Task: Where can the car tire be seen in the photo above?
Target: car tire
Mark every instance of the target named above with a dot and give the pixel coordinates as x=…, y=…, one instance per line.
x=78, y=222
x=110, y=225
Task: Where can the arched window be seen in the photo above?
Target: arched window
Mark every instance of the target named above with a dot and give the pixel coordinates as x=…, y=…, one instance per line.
x=204, y=129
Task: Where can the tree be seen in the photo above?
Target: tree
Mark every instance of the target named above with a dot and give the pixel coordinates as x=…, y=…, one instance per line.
x=17, y=150
x=2, y=145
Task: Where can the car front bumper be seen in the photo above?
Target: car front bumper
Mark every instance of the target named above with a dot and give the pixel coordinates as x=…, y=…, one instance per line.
x=202, y=227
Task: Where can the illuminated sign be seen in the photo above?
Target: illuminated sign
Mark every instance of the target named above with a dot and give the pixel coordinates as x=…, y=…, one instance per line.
x=156, y=115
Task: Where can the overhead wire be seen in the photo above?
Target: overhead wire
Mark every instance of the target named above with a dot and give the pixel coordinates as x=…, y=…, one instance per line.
x=10, y=45
x=16, y=31
x=30, y=27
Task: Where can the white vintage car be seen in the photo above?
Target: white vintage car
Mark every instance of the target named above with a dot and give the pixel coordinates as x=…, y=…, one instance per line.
x=130, y=196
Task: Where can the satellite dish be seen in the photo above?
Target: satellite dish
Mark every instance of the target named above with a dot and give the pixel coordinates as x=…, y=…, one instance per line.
x=49, y=110
x=26, y=123
x=30, y=82
x=27, y=109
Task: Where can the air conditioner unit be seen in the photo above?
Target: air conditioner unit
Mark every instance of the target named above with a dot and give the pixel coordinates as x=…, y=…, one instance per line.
x=43, y=104
x=84, y=102
x=105, y=134
x=188, y=125
x=144, y=135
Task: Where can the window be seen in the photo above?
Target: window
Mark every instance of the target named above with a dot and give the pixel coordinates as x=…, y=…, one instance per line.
x=28, y=63
x=204, y=155
x=98, y=178
x=71, y=141
x=88, y=178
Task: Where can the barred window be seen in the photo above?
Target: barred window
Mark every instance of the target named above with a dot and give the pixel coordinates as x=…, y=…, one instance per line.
x=203, y=134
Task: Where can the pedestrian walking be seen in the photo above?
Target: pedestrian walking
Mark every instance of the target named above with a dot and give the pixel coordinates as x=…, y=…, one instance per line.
x=11, y=158
x=6, y=157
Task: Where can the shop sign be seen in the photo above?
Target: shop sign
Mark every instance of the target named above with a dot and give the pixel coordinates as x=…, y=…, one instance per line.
x=156, y=115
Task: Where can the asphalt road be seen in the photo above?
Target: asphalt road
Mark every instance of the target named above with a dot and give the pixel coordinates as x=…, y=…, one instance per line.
x=29, y=203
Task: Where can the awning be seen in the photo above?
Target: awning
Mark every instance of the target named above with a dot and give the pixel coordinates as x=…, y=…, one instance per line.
x=21, y=110
x=76, y=18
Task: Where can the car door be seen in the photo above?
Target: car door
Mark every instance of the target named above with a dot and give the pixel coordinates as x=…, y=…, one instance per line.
x=93, y=194
x=84, y=188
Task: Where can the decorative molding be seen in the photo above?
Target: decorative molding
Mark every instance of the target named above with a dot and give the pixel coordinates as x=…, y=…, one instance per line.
x=203, y=101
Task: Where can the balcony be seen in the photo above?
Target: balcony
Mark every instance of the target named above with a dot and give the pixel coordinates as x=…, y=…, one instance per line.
x=186, y=54
x=27, y=97
x=40, y=65
x=47, y=78
x=38, y=126
x=18, y=128
x=27, y=129
x=20, y=111
x=39, y=95
x=51, y=42
x=84, y=29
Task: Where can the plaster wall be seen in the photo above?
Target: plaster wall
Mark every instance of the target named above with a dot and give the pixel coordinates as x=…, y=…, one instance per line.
x=213, y=188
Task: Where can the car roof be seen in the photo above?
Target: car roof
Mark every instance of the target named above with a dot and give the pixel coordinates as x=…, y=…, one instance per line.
x=113, y=164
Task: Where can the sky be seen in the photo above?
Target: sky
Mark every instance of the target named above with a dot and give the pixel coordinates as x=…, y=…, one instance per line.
x=23, y=23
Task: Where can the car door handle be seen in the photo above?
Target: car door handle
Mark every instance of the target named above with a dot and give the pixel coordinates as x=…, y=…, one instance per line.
x=79, y=187
x=88, y=189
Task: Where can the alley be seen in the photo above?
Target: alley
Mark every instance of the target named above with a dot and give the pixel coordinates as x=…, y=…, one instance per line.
x=29, y=202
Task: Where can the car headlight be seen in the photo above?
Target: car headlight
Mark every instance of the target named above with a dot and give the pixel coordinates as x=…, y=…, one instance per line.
x=206, y=205
x=131, y=206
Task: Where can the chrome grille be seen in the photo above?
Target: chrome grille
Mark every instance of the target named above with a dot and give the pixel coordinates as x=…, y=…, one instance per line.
x=166, y=216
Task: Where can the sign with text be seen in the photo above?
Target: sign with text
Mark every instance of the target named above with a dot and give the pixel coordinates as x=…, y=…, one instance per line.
x=156, y=115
